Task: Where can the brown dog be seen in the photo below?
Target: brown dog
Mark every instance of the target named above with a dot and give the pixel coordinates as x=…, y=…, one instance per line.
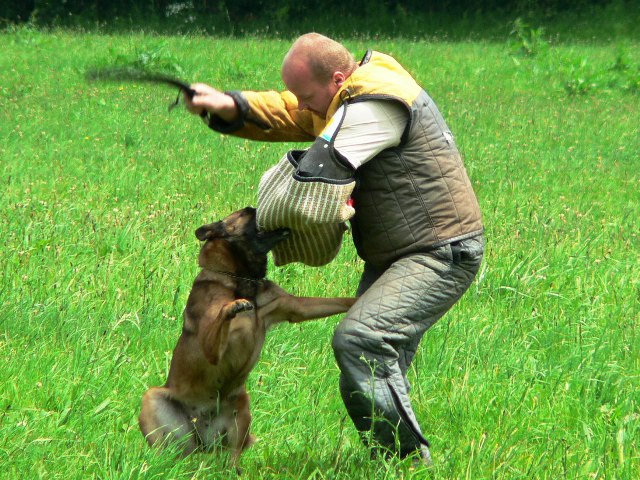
x=230, y=308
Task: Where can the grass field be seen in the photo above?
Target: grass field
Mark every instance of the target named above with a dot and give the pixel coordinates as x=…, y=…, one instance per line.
x=534, y=374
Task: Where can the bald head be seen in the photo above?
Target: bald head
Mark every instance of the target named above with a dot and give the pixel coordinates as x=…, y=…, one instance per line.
x=314, y=69
x=321, y=55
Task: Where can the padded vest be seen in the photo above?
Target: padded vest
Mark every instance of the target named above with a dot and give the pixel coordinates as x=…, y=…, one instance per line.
x=416, y=196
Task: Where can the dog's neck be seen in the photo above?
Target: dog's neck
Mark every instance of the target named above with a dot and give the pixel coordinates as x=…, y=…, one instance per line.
x=248, y=264
x=232, y=261
x=242, y=286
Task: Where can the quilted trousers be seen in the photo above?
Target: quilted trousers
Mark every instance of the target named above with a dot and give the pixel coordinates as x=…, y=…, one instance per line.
x=377, y=340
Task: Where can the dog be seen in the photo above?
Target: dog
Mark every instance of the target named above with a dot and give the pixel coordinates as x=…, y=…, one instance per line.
x=204, y=401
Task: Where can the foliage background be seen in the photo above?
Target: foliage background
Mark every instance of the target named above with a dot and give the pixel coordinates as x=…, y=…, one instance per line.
x=398, y=18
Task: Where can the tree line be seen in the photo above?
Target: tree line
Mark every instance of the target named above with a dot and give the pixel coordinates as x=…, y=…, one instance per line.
x=61, y=12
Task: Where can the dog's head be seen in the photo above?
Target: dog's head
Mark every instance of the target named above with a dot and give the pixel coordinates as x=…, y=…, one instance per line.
x=237, y=238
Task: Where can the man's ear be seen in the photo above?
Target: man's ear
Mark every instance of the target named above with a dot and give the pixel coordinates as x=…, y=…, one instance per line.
x=339, y=78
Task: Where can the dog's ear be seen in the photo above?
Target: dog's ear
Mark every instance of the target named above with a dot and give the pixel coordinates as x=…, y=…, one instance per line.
x=211, y=230
x=265, y=241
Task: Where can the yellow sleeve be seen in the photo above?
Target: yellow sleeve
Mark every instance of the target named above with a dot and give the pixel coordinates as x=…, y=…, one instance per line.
x=270, y=116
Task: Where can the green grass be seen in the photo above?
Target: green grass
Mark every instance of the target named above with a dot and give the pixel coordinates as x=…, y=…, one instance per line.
x=534, y=374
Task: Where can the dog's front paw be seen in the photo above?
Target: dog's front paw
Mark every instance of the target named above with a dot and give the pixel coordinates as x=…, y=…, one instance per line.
x=240, y=305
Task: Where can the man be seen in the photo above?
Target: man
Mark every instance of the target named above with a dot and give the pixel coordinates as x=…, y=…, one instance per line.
x=417, y=224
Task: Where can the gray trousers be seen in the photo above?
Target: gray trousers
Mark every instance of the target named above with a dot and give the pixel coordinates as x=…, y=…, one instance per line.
x=377, y=340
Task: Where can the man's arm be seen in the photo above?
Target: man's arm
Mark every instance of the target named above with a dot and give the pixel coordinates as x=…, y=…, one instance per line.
x=266, y=116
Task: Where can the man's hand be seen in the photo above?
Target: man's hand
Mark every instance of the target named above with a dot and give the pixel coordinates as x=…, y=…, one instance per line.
x=208, y=99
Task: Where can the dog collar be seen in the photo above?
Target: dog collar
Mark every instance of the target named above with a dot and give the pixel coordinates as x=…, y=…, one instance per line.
x=239, y=277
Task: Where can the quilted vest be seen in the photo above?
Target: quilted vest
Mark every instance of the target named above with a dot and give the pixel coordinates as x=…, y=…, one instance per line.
x=416, y=196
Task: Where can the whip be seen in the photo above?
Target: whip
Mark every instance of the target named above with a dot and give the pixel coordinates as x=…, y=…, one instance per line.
x=135, y=75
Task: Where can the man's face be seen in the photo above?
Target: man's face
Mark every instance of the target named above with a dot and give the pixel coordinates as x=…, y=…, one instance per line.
x=312, y=94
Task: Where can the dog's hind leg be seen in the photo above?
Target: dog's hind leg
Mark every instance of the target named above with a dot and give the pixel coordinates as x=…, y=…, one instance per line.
x=238, y=436
x=163, y=421
x=216, y=337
